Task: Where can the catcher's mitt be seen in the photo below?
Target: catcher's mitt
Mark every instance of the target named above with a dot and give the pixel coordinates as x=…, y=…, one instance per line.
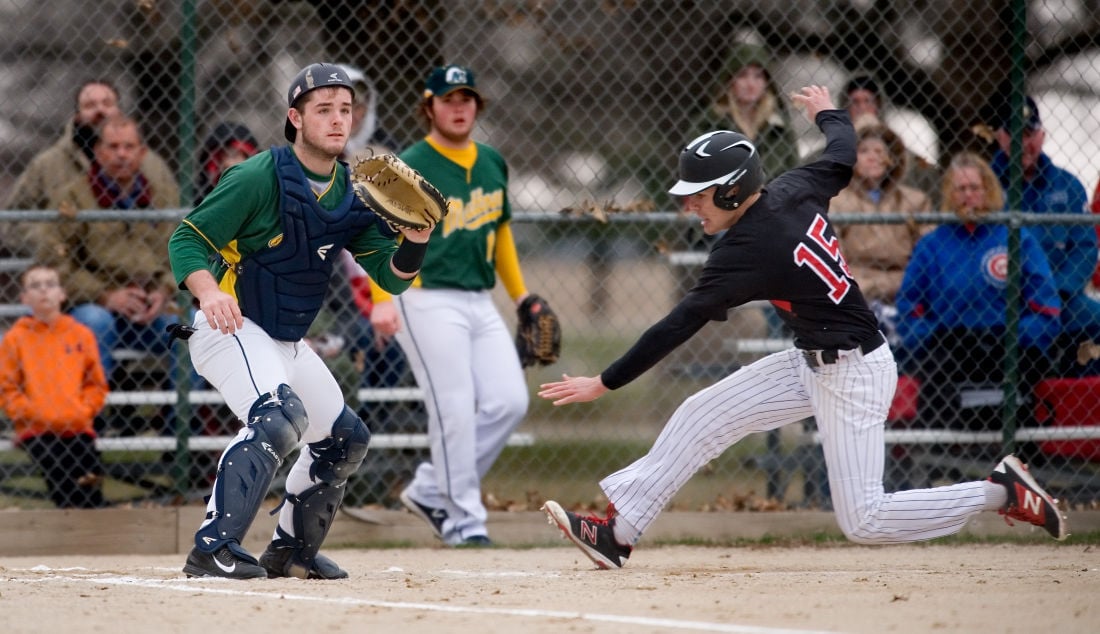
x=538, y=334
x=397, y=192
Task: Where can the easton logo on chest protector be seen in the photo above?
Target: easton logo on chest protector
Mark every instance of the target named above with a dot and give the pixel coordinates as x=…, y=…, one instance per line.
x=280, y=288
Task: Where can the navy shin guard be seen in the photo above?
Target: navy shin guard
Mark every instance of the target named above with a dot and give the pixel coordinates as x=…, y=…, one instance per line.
x=335, y=459
x=276, y=420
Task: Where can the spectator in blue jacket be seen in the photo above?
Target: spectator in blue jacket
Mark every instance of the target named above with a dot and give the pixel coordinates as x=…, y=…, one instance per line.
x=1047, y=188
x=952, y=304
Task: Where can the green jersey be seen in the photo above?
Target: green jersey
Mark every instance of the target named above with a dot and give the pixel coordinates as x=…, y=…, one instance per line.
x=243, y=215
x=461, y=252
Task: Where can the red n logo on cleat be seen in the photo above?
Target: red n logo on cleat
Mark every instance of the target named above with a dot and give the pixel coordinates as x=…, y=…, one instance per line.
x=1034, y=504
x=588, y=532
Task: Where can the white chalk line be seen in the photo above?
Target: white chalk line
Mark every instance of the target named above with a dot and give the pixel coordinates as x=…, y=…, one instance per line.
x=199, y=585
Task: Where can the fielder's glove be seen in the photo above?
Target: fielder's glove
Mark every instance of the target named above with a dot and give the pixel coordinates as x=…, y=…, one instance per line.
x=538, y=333
x=397, y=192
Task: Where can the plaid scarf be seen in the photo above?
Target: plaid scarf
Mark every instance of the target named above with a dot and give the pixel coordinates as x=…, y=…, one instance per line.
x=109, y=194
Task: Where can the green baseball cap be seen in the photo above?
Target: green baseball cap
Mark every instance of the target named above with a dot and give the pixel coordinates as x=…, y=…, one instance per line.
x=444, y=80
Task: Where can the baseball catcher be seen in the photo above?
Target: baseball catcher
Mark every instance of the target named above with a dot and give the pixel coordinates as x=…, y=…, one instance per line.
x=538, y=333
x=397, y=192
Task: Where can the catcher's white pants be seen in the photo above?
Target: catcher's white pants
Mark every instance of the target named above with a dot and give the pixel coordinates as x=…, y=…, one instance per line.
x=248, y=363
x=848, y=399
x=464, y=359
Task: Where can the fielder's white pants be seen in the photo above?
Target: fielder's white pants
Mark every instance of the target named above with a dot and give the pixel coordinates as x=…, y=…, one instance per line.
x=848, y=399
x=464, y=359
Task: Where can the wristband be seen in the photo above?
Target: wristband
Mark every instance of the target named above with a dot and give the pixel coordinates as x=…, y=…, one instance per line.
x=409, y=256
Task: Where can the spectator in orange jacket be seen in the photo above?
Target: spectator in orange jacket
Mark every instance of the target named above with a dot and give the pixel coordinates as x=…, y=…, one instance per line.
x=52, y=387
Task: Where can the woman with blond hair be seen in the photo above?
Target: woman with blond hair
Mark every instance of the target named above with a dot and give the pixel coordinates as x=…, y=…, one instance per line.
x=952, y=302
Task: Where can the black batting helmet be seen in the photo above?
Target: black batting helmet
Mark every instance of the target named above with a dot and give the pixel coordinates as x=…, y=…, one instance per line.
x=723, y=158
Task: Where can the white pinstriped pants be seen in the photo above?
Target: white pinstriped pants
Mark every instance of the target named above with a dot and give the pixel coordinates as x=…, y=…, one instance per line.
x=849, y=400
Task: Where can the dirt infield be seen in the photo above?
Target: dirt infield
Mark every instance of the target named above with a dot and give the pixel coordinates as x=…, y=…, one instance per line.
x=768, y=590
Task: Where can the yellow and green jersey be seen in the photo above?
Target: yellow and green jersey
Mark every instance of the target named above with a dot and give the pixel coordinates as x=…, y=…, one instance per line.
x=462, y=250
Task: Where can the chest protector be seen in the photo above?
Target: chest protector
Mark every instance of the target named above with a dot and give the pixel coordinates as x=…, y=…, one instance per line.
x=282, y=287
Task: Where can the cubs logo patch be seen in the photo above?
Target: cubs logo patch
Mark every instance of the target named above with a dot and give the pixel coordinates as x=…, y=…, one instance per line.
x=995, y=267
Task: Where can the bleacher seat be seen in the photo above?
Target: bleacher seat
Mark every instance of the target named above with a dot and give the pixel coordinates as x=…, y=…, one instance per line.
x=903, y=410
x=1069, y=403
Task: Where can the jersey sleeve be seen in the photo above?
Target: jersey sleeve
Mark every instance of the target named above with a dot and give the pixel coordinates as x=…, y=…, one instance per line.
x=373, y=250
x=243, y=191
x=13, y=400
x=915, y=323
x=662, y=338
x=507, y=262
x=1040, y=320
x=823, y=179
x=1080, y=258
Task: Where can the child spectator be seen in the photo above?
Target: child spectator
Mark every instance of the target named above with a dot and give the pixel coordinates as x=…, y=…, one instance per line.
x=51, y=387
x=227, y=144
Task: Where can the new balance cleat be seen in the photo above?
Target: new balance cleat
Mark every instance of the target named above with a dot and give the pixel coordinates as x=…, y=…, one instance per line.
x=432, y=516
x=223, y=562
x=594, y=536
x=1027, y=501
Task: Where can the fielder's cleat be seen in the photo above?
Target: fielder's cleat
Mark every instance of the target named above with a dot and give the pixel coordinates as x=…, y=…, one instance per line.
x=594, y=536
x=1027, y=501
x=433, y=516
x=476, y=541
x=222, y=563
x=279, y=561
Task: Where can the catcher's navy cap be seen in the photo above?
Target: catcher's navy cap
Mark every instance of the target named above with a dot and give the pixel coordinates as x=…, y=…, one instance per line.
x=319, y=75
x=444, y=80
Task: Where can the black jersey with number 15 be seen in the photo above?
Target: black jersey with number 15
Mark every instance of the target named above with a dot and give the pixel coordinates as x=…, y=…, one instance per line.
x=782, y=250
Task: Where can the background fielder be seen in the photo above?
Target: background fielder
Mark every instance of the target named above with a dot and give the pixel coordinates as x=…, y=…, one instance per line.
x=780, y=246
x=456, y=342
x=273, y=227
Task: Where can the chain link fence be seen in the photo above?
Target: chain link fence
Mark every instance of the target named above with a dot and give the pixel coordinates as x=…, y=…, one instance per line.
x=590, y=102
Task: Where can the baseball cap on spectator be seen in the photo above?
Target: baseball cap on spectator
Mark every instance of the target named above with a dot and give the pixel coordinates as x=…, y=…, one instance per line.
x=444, y=80
x=319, y=75
x=1002, y=116
x=997, y=113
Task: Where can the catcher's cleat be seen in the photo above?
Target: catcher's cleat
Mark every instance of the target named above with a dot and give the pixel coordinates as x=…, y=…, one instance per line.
x=222, y=563
x=594, y=536
x=278, y=561
x=1027, y=501
x=433, y=516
